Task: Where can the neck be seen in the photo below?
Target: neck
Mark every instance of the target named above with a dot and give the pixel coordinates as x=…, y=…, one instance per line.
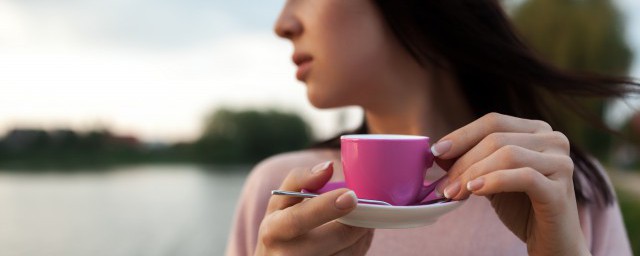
x=421, y=111
x=418, y=122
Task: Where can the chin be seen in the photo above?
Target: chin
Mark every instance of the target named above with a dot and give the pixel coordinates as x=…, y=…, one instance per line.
x=319, y=103
x=328, y=95
x=322, y=101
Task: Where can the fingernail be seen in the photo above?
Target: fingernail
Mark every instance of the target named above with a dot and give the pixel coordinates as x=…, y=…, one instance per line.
x=347, y=200
x=441, y=147
x=452, y=190
x=438, y=193
x=320, y=167
x=440, y=187
x=475, y=184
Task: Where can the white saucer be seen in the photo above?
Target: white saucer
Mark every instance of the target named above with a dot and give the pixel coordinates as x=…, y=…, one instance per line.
x=396, y=217
x=393, y=217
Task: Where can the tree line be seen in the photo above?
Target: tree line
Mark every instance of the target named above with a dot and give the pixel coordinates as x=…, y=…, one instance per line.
x=228, y=137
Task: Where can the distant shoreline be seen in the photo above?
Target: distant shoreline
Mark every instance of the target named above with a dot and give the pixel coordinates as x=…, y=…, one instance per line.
x=31, y=167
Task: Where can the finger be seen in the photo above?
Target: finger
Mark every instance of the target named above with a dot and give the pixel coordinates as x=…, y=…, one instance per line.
x=331, y=238
x=462, y=140
x=359, y=248
x=548, y=142
x=298, y=179
x=301, y=218
x=528, y=180
x=510, y=157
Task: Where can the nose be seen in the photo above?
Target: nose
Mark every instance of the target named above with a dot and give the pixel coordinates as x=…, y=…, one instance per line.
x=288, y=25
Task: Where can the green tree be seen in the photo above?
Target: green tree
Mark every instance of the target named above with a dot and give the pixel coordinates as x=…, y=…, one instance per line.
x=579, y=35
x=250, y=136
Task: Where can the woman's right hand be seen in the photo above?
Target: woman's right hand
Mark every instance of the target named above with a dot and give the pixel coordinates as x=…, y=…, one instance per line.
x=295, y=227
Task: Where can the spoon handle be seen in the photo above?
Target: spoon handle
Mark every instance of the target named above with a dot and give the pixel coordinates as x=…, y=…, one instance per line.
x=311, y=195
x=294, y=194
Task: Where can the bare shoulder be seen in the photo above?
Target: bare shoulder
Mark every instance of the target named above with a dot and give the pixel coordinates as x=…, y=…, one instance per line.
x=275, y=168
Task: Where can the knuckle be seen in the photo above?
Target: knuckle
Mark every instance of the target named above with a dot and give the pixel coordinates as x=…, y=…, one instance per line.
x=562, y=140
x=291, y=223
x=567, y=164
x=493, y=119
x=267, y=234
x=529, y=176
x=493, y=115
x=509, y=154
x=496, y=140
x=543, y=126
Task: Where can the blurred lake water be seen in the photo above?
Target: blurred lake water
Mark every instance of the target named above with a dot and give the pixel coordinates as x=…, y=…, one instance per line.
x=141, y=210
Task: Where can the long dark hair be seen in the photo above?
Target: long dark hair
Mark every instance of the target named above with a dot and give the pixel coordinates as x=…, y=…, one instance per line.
x=485, y=53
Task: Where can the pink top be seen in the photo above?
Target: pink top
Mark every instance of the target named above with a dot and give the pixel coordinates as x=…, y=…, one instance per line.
x=471, y=229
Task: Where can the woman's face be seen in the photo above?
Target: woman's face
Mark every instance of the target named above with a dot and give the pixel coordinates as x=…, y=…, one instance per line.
x=344, y=50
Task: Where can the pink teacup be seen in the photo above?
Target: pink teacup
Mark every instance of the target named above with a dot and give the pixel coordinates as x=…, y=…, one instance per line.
x=386, y=167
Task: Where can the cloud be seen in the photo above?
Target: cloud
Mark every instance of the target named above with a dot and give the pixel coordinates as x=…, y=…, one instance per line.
x=138, y=23
x=162, y=95
x=148, y=68
x=154, y=68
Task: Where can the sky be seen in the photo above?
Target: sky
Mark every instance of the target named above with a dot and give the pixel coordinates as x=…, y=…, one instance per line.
x=156, y=69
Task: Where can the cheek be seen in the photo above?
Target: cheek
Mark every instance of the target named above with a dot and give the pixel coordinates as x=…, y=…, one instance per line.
x=346, y=76
x=343, y=80
x=350, y=63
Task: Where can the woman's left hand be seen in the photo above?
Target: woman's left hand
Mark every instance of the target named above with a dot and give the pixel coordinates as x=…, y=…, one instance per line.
x=525, y=170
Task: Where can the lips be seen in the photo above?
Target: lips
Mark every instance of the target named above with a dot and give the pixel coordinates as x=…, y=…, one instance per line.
x=303, y=61
x=300, y=58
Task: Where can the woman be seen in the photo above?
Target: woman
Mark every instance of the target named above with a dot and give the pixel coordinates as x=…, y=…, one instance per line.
x=453, y=70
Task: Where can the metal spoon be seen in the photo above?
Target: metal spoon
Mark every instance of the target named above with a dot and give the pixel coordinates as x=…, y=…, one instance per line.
x=311, y=195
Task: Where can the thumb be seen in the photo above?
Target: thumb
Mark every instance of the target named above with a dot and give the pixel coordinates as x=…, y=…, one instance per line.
x=299, y=179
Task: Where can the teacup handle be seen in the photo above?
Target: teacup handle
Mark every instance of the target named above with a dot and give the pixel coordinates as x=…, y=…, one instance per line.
x=426, y=190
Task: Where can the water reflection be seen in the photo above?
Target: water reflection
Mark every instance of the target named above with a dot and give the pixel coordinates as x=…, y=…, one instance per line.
x=146, y=210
